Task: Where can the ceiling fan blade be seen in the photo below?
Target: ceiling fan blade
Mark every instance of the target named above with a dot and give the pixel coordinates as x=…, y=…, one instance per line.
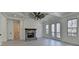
x=34, y=14
x=39, y=13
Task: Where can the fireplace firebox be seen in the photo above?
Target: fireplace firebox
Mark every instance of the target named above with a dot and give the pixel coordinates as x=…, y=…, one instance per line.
x=30, y=34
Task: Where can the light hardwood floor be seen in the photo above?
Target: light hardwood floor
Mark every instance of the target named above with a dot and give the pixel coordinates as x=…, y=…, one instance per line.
x=38, y=42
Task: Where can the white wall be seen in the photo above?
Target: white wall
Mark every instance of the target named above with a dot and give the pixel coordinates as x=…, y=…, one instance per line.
x=3, y=28
x=9, y=29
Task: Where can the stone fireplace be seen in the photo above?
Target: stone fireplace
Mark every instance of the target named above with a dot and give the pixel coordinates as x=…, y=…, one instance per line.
x=30, y=34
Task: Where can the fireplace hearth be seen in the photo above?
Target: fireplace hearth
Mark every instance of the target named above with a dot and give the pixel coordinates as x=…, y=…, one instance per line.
x=30, y=34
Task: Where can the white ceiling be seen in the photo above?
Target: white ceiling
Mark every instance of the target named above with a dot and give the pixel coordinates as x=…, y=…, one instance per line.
x=13, y=14
x=24, y=14
x=59, y=14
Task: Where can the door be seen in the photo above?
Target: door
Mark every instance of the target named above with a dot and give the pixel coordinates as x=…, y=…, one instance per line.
x=16, y=29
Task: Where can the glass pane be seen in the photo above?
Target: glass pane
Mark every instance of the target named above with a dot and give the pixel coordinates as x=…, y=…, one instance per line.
x=70, y=30
x=70, y=23
x=74, y=22
x=58, y=35
x=73, y=34
x=58, y=27
x=47, y=29
x=53, y=28
x=47, y=26
x=74, y=30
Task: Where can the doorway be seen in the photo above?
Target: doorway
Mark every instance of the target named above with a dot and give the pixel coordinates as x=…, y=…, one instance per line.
x=16, y=29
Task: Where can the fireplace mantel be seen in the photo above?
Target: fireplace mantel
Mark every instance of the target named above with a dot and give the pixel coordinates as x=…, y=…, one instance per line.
x=30, y=29
x=30, y=34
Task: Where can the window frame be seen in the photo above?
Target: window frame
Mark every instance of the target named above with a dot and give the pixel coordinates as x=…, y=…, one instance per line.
x=72, y=27
x=47, y=29
x=56, y=30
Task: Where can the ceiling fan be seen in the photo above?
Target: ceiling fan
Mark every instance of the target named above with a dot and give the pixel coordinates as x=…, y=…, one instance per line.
x=38, y=15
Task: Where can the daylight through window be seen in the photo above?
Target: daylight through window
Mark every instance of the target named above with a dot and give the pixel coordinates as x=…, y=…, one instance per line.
x=72, y=27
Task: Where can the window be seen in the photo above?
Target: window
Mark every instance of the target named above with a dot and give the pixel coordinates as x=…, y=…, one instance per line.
x=58, y=30
x=47, y=29
x=72, y=27
x=53, y=30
